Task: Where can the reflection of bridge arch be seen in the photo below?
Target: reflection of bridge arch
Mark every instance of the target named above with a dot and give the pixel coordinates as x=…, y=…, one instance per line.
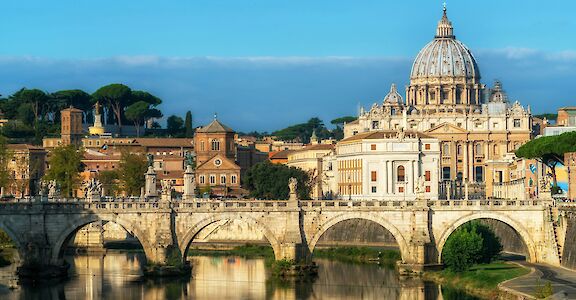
x=522, y=232
x=404, y=249
x=75, y=224
x=193, y=232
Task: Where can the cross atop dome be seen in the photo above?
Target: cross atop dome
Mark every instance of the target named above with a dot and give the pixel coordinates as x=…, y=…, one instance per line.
x=444, y=29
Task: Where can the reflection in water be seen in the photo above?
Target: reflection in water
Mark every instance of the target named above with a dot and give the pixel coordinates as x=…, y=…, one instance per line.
x=117, y=275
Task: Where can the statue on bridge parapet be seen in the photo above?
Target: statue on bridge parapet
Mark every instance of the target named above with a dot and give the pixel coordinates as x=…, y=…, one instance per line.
x=293, y=185
x=420, y=189
x=189, y=183
x=53, y=189
x=93, y=190
x=166, y=190
x=150, y=185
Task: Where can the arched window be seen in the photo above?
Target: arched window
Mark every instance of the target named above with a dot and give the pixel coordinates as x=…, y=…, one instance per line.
x=459, y=151
x=215, y=145
x=478, y=149
x=400, y=174
x=202, y=146
x=495, y=149
x=446, y=149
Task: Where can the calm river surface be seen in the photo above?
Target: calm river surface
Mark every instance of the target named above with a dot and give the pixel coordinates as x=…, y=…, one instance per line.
x=117, y=275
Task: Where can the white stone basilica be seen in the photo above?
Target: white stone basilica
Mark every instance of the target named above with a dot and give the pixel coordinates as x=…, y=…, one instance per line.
x=473, y=126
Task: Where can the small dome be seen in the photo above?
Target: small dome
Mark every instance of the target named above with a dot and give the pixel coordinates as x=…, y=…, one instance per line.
x=445, y=56
x=393, y=96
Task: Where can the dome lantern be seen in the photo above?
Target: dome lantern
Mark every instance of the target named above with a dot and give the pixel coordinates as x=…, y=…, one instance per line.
x=445, y=29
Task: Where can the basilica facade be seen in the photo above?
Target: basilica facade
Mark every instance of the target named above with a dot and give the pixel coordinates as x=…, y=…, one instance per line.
x=475, y=126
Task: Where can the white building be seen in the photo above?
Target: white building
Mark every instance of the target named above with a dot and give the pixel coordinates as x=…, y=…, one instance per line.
x=382, y=165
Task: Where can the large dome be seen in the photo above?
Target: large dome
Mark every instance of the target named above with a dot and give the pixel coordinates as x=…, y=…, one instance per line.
x=445, y=56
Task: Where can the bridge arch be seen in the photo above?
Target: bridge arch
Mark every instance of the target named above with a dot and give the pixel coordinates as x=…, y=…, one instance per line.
x=522, y=232
x=190, y=234
x=403, y=245
x=16, y=238
x=75, y=224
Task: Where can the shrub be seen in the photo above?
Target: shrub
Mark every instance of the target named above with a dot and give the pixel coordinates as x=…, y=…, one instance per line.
x=471, y=244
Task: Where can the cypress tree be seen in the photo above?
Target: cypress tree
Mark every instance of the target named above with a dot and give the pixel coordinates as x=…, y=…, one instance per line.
x=188, y=124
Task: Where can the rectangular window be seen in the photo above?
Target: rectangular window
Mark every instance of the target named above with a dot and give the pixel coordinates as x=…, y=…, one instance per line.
x=373, y=147
x=446, y=173
x=202, y=179
x=427, y=189
x=373, y=189
x=222, y=179
x=373, y=176
x=212, y=179
x=374, y=124
x=401, y=189
x=233, y=179
x=426, y=146
x=516, y=123
x=427, y=175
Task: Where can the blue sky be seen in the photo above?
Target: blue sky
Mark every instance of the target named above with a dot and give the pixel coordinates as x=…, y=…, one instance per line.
x=265, y=64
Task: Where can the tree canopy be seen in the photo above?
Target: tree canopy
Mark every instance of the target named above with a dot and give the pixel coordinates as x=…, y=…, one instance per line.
x=174, y=125
x=141, y=111
x=270, y=181
x=340, y=121
x=472, y=243
x=302, y=132
x=115, y=97
x=131, y=173
x=188, y=129
x=65, y=166
x=549, y=150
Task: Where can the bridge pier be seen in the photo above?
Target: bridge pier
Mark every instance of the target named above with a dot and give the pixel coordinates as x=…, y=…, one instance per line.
x=37, y=262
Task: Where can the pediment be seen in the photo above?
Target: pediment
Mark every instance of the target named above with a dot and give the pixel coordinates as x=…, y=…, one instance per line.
x=225, y=164
x=446, y=128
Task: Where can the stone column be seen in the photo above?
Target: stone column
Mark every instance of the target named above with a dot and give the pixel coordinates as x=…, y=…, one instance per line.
x=453, y=160
x=466, y=162
x=189, y=183
x=471, y=162
x=391, y=185
x=414, y=175
x=386, y=177
x=151, y=183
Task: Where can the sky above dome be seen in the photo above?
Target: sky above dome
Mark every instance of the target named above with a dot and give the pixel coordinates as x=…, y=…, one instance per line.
x=265, y=64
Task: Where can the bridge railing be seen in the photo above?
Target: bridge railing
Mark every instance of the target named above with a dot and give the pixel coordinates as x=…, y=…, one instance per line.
x=136, y=204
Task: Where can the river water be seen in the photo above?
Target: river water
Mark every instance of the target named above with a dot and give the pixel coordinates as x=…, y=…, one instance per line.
x=117, y=275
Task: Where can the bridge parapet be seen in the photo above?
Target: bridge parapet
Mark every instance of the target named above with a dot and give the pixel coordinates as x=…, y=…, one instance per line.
x=206, y=205
x=499, y=204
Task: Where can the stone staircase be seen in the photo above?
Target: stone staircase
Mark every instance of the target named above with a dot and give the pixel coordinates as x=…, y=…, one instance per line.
x=557, y=229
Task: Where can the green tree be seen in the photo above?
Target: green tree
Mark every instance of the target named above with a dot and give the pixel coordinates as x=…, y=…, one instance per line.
x=342, y=120
x=66, y=98
x=270, y=181
x=115, y=97
x=472, y=243
x=5, y=157
x=303, y=131
x=140, y=112
x=109, y=180
x=189, y=130
x=174, y=125
x=37, y=99
x=549, y=150
x=131, y=173
x=462, y=249
x=65, y=166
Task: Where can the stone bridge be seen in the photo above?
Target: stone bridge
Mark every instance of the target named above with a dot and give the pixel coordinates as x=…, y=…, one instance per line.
x=42, y=229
